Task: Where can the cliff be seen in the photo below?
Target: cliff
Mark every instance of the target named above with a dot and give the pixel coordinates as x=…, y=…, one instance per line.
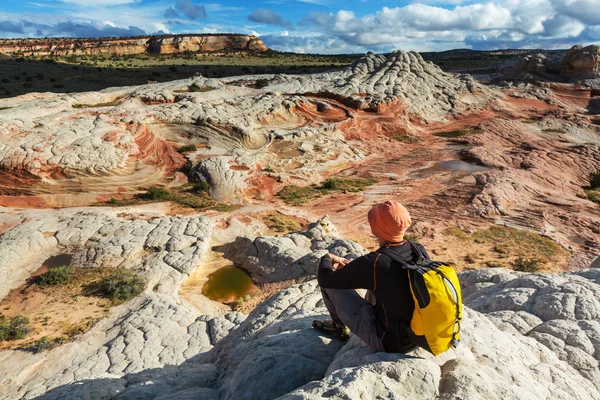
x=133, y=45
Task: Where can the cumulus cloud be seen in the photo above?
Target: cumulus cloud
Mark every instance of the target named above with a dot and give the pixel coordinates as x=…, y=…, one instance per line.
x=189, y=9
x=269, y=17
x=68, y=28
x=171, y=13
x=493, y=24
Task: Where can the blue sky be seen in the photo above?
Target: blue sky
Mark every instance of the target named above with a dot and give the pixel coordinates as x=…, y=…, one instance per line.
x=321, y=26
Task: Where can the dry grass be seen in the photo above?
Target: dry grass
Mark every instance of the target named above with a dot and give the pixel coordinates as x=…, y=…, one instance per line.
x=458, y=133
x=98, y=105
x=299, y=195
x=499, y=246
x=281, y=223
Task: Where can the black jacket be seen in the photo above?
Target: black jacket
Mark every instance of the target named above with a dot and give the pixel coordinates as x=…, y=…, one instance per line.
x=389, y=283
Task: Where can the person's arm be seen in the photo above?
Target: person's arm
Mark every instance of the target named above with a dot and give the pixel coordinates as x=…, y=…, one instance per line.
x=358, y=274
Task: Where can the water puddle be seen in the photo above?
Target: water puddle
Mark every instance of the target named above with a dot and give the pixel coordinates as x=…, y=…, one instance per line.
x=450, y=165
x=227, y=285
x=460, y=165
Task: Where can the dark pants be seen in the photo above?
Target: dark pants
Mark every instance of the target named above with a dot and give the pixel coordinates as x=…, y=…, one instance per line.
x=348, y=308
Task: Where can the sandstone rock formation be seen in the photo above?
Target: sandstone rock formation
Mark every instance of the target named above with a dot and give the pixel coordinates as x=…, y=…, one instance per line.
x=168, y=44
x=531, y=68
x=275, y=354
x=291, y=256
x=578, y=64
x=581, y=63
x=131, y=143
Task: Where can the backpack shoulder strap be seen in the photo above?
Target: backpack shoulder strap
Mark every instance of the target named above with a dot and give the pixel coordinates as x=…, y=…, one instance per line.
x=390, y=254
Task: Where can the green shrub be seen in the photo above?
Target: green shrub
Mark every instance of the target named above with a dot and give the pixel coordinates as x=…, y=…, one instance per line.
x=595, y=180
x=345, y=184
x=523, y=264
x=14, y=329
x=120, y=286
x=554, y=130
x=594, y=195
x=194, y=87
x=458, y=133
x=187, y=148
x=200, y=187
x=261, y=83
x=411, y=237
x=56, y=276
x=157, y=193
x=42, y=344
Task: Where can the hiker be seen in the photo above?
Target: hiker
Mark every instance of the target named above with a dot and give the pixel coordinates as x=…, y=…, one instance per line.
x=382, y=321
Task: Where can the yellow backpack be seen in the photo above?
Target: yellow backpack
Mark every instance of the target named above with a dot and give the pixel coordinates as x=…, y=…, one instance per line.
x=435, y=288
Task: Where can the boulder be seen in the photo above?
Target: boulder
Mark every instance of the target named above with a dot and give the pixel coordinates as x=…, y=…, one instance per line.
x=581, y=63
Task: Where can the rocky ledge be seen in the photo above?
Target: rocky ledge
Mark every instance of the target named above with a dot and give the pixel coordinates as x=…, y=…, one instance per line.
x=525, y=336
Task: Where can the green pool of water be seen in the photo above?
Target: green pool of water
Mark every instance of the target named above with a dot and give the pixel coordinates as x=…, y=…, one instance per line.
x=227, y=284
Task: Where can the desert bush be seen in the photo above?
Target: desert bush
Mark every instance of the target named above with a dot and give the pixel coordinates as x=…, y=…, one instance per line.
x=187, y=148
x=42, y=344
x=411, y=237
x=200, y=187
x=194, y=87
x=261, y=83
x=594, y=196
x=595, y=180
x=523, y=264
x=120, y=286
x=458, y=133
x=281, y=223
x=157, y=193
x=13, y=329
x=56, y=276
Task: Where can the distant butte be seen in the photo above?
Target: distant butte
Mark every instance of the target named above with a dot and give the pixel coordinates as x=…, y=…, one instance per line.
x=166, y=44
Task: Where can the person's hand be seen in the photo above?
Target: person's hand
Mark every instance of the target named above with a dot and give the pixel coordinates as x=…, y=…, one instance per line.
x=338, y=262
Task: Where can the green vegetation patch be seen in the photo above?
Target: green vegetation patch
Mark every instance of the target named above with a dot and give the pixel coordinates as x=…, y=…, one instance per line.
x=593, y=190
x=187, y=148
x=261, y=83
x=5, y=108
x=510, y=242
x=554, y=130
x=405, y=138
x=593, y=195
x=458, y=133
x=56, y=276
x=528, y=121
x=120, y=286
x=13, y=329
x=281, y=223
x=595, y=121
x=594, y=178
x=110, y=104
x=523, y=264
x=298, y=195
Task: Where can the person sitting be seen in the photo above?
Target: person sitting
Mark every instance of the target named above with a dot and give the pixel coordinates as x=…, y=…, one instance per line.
x=382, y=322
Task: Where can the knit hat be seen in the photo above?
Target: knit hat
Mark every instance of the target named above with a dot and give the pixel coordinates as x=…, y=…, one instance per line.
x=389, y=221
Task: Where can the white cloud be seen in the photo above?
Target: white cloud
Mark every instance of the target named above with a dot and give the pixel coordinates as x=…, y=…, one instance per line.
x=508, y=23
x=99, y=3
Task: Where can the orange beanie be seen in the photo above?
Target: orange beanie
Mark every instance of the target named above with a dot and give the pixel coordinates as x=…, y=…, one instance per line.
x=389, y=221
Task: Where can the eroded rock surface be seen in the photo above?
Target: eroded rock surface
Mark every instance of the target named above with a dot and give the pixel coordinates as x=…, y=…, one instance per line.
x=126, y=138
x=290, y=256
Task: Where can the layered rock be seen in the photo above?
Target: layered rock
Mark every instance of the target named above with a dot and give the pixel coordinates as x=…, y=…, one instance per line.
x=290, y=256
x=275, y=354
x=126, y=138
x=134, y=45
x=581, y=63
